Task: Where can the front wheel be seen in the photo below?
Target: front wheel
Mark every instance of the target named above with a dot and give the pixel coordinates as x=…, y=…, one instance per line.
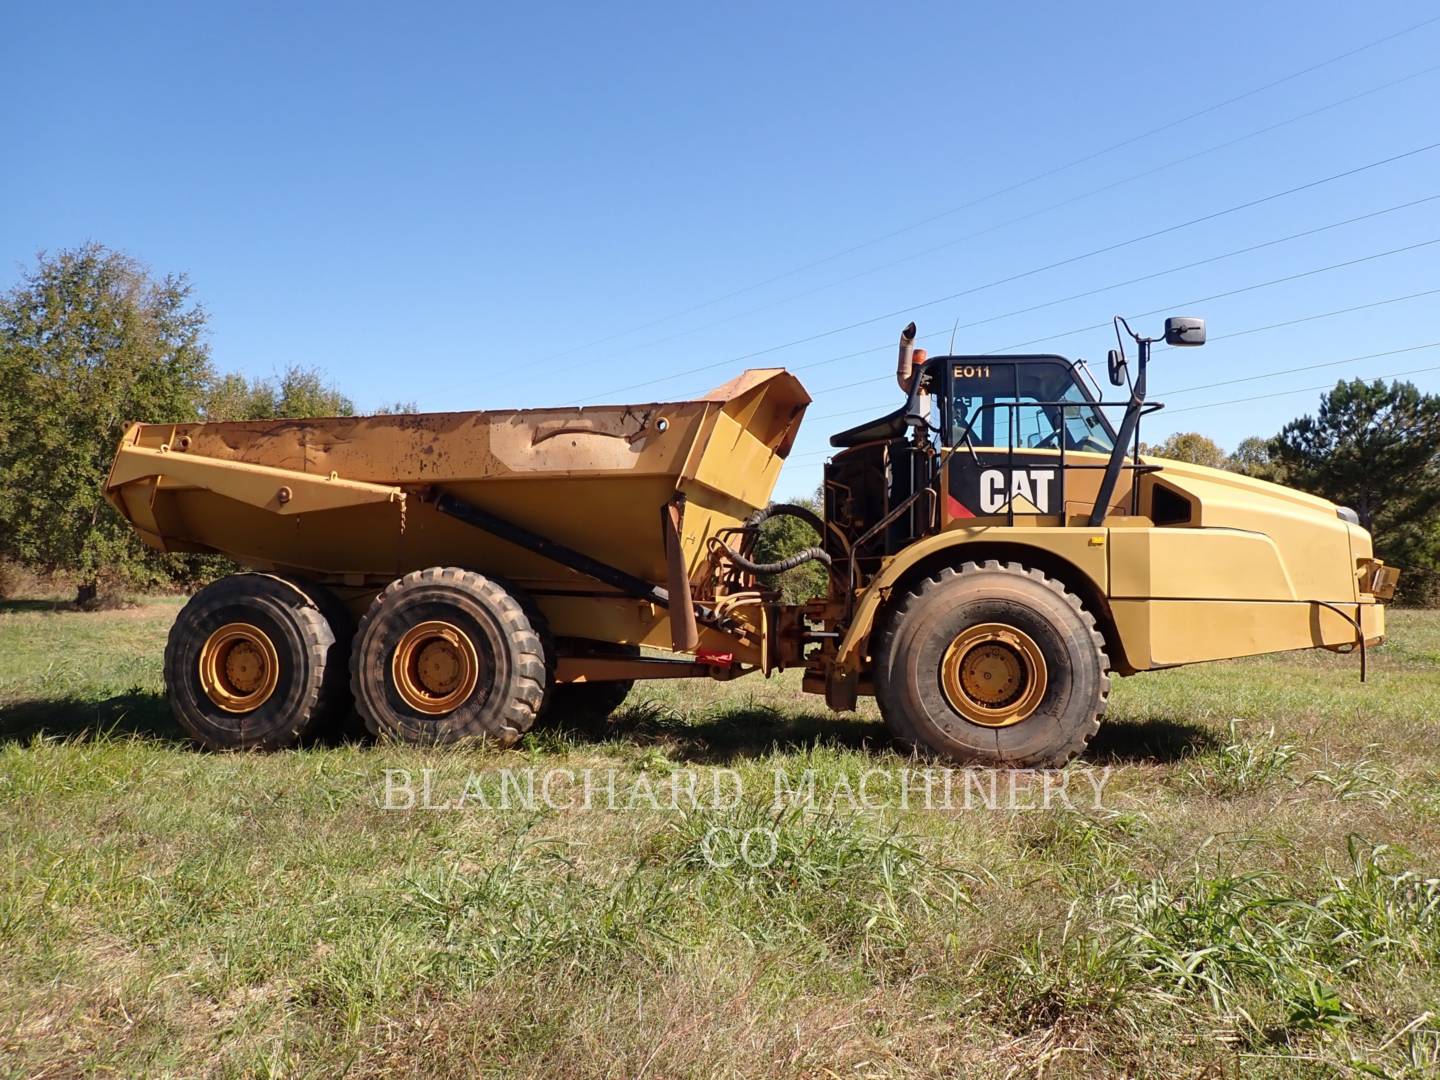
x=992, y=664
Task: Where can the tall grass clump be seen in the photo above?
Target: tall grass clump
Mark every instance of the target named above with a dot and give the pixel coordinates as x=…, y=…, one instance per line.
x=1249, y=952
x=454, y=928
x=830, y=881
x=1242, y=766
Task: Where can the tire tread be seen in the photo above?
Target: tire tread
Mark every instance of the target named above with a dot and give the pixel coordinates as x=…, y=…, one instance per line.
x=531, y=682
x=900, y=725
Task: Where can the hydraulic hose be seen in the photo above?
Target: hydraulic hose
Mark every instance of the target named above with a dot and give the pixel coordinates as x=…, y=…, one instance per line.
x=804, y=513
x=800, y=558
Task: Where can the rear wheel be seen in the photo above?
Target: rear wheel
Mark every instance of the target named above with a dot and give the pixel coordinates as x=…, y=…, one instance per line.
x=252, y=663
x=336, y=712
x=993, y=664
x=445, y=654
x=588, y=703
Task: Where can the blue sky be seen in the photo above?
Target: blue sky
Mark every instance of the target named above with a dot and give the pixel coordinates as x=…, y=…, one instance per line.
x=492, y=206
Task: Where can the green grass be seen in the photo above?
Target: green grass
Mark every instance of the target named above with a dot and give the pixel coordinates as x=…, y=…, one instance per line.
x=1256, y=896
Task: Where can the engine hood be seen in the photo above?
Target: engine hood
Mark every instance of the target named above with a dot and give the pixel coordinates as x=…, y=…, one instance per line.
x=1312, y=553
x=1221, y=483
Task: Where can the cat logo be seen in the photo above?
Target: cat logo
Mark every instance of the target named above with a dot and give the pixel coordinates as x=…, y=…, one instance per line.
x=1027, y=489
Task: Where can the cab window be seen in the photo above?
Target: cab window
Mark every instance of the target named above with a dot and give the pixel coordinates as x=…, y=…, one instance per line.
x=1035, y=405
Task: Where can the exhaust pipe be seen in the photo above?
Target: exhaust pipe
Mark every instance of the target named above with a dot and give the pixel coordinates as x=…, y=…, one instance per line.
x=905, y=364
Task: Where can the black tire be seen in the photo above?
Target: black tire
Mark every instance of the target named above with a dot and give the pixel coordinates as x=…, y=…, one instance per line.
x=336, y=716
x=910, y=655
x=587, y=704
x=511, y=670
x=541, y=626
x=308, y=672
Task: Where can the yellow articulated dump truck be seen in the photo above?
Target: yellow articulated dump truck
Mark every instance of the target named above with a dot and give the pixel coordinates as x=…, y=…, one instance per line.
x=997, y=548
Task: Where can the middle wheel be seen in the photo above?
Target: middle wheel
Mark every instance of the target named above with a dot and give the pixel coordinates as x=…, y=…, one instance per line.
x=445, y=654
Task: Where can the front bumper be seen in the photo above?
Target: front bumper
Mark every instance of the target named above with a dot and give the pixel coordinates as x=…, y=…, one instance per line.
x=1371, y=618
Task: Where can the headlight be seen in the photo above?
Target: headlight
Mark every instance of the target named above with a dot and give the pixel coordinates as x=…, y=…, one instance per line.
x=1344, y=513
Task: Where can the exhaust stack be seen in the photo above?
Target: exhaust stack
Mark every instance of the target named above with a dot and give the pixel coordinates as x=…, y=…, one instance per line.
x=905, y=363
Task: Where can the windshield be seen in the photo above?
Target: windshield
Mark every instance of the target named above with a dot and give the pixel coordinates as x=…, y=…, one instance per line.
x=1034, y=405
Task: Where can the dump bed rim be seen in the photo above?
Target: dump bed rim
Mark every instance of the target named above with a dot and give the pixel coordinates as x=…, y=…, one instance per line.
x=725, y=392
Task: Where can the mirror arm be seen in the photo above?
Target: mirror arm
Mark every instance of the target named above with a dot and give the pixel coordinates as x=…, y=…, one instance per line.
x=1129, y=431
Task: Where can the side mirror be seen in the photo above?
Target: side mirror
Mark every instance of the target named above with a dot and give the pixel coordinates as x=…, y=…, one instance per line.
x=1116, y=363
x=1181, y=331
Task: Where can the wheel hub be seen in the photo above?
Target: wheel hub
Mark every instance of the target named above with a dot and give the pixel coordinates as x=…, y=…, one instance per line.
x=993, y=674
x=436, y=667
x=239, y=667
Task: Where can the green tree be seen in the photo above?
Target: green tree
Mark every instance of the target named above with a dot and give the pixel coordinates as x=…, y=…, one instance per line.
x=781, y=537
x=394, y=408
x=1188, y=446
x=296, y=393
x=1374, y=448
x=88, y=340
x=234, y=397
x=303, y=392
x=1256, y=457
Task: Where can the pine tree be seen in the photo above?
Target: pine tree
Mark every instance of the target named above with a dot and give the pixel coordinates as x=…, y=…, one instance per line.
x=1374, y=448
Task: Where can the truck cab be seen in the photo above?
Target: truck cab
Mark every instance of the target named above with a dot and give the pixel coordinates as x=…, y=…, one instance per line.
x=984, y=440
x=998, y=466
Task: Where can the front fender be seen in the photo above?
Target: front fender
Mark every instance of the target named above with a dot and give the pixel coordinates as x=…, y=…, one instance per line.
x=1084, y=549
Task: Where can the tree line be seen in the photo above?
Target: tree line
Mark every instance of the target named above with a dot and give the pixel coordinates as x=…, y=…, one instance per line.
x=90, y=338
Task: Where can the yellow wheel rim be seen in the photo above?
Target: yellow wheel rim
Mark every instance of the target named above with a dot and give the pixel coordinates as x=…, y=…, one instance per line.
x=239, y=667
x=436, y=667
x=993, y=674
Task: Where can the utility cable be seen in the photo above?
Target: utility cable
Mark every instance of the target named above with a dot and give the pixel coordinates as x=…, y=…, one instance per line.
x=1305, y=389
x=1068, y=261
x=1315, y=317
x=1000, y=351
x=1000, y=225
x=1009, y=188
x=1255, y=378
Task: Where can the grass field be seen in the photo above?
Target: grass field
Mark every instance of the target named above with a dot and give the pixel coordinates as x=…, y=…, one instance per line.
x=1255, y=895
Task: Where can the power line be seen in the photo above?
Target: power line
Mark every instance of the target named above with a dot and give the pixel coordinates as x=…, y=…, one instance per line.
x=1070, y=260
x=1310, y=318
x=1142, y=314
x=1199, y=262
x=1294, y=370
x=997, y=226
x=1214, y=338
x=1252, y=397
x=1306, y=389
x=1017, y=185
x=1224, y=295
x=1251, y=378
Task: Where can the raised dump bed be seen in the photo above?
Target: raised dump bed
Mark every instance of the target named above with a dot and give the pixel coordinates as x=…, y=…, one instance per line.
x=352, y=501
x=486, y=555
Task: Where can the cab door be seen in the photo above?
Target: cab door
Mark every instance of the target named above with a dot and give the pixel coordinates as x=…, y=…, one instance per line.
x=1027, y=438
